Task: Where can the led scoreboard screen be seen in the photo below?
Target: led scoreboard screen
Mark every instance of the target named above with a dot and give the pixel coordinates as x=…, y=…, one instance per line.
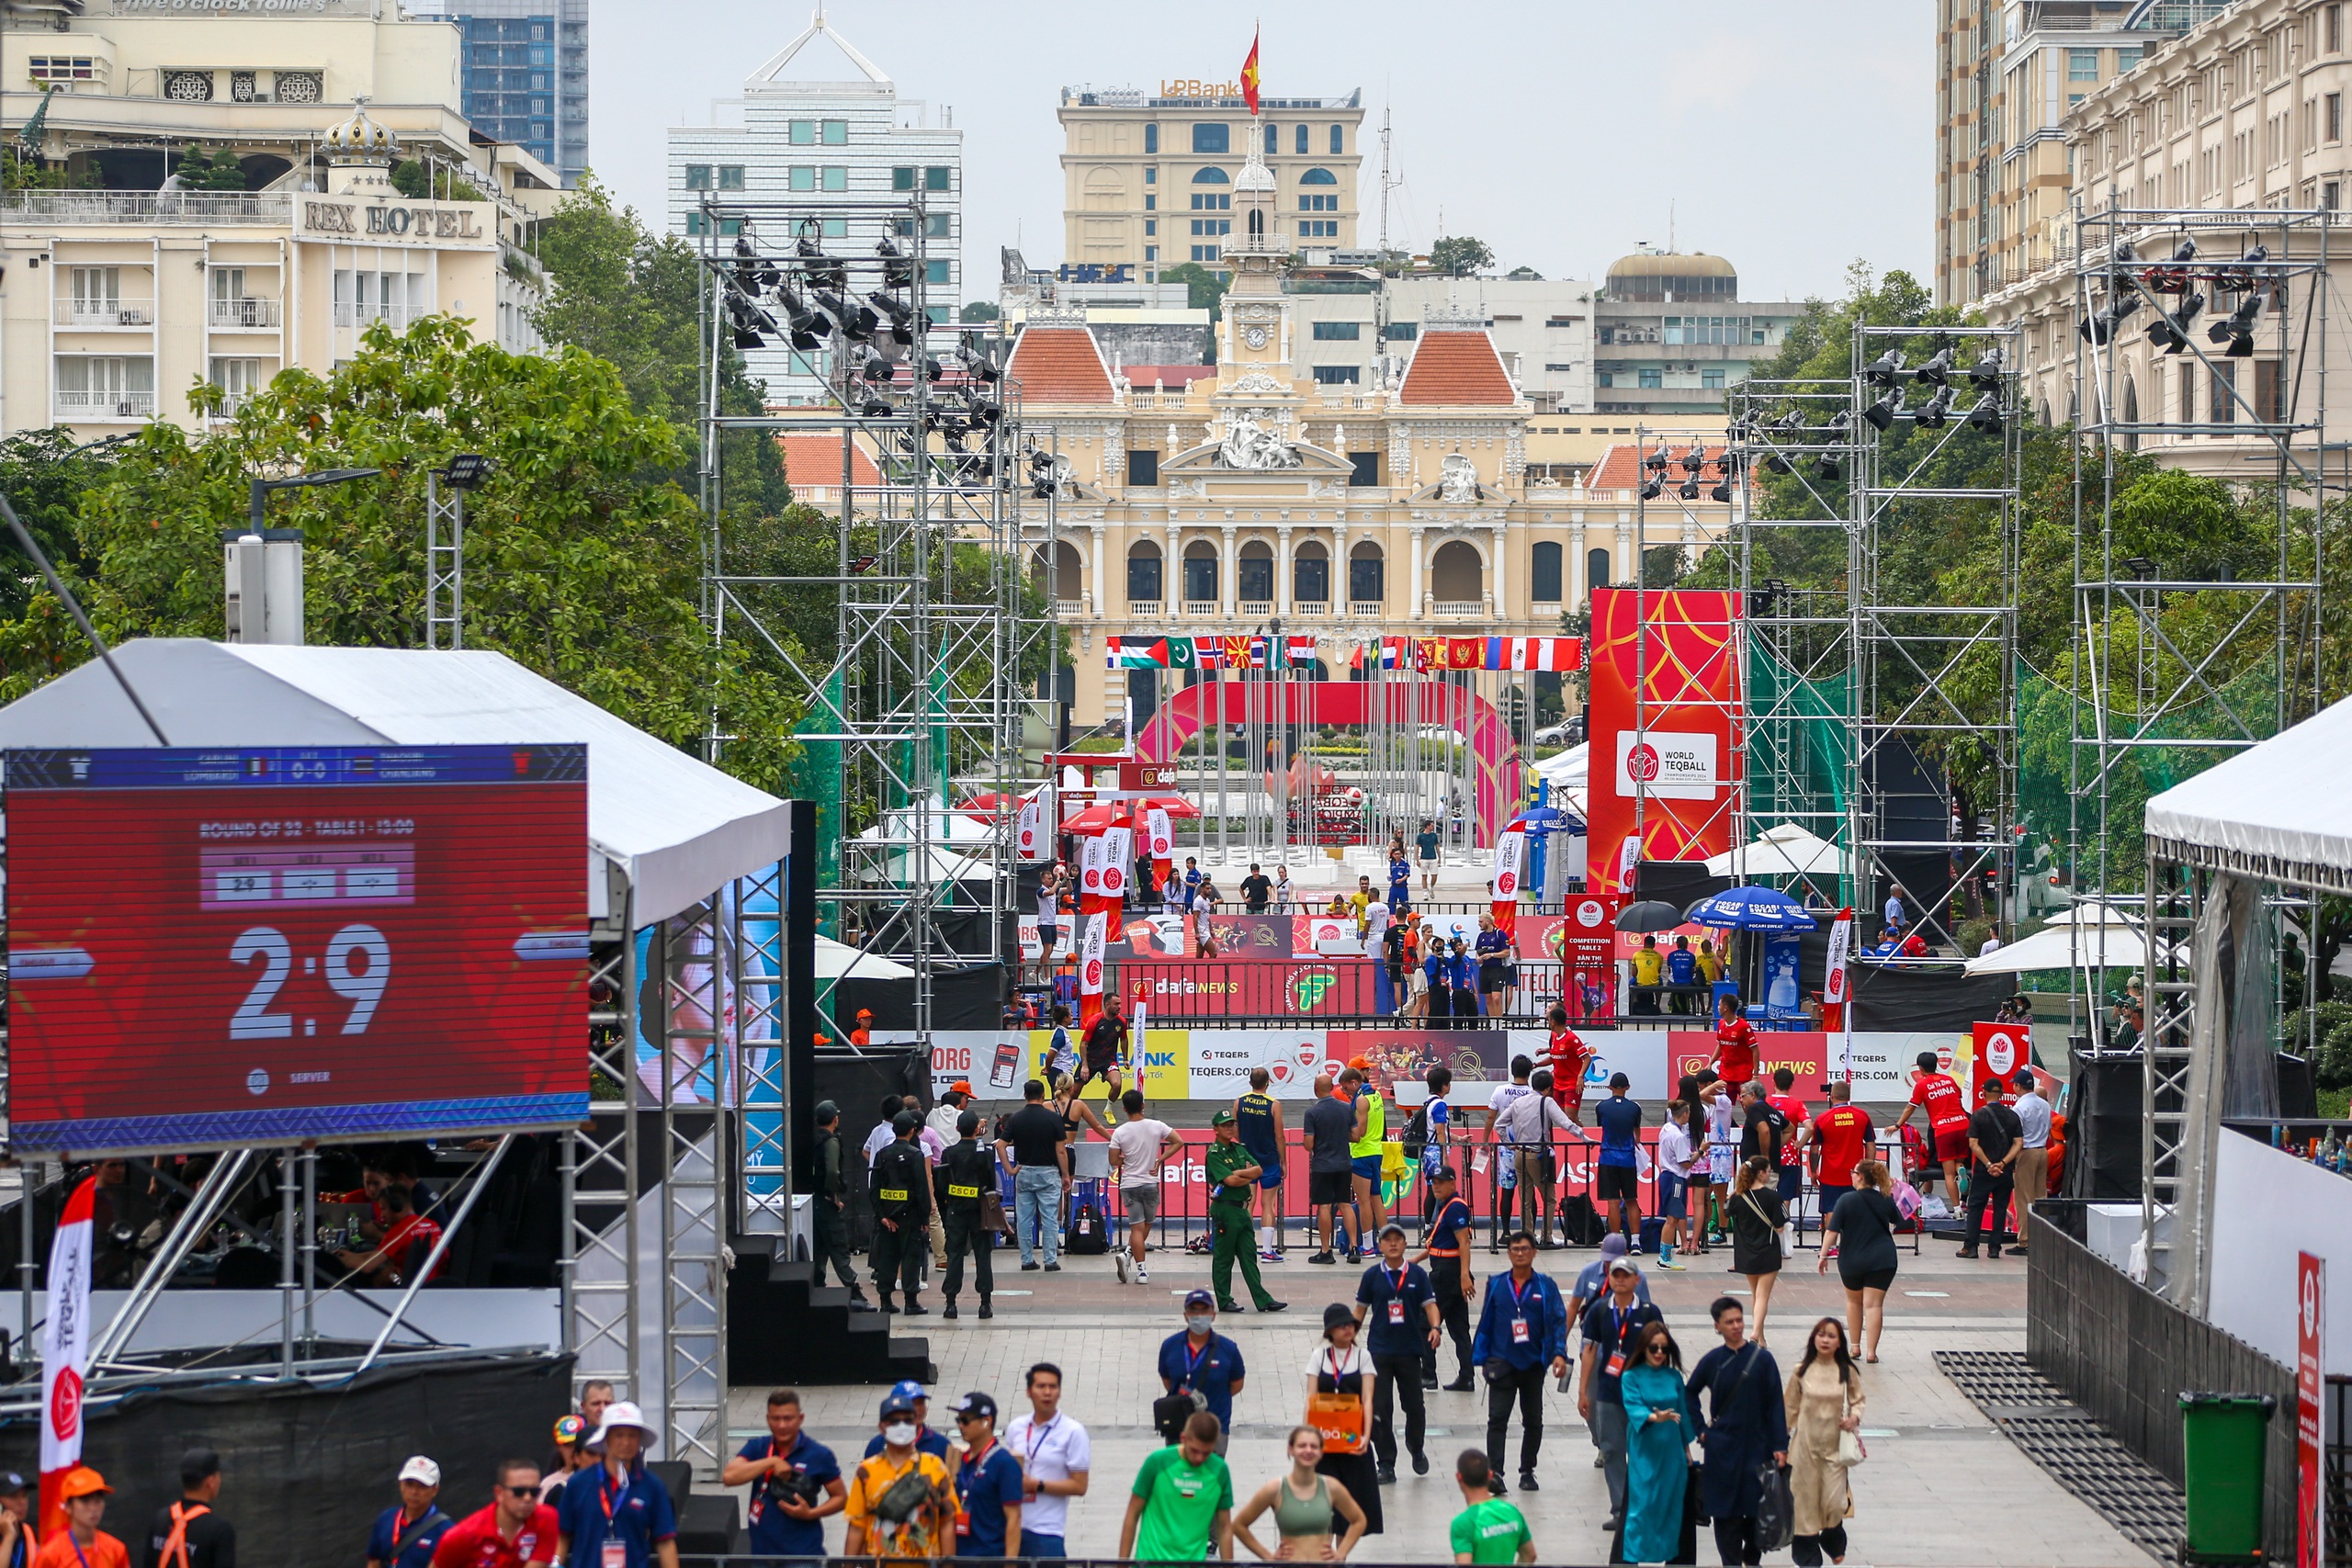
x=209, y=948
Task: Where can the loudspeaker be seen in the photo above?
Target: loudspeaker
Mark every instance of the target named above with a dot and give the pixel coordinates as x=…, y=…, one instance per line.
x=2103, y=1127
x=2297, y=1091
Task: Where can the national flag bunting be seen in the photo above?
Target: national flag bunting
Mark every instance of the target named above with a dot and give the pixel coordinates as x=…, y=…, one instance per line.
x=1556, y=653
x=1249, y=77
x=1135, y=653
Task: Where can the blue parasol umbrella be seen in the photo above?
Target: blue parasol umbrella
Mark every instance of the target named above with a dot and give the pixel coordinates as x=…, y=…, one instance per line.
x=1547, y=820
x=1752, y=909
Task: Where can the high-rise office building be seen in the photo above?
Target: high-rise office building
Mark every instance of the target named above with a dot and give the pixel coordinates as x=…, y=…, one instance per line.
x=524, y=74
x=1148, y=176
x=824, y=130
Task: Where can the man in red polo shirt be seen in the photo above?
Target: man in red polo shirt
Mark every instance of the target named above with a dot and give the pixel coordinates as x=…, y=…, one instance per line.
x=1840, y=1138
x=1566, y=1055
x=515, y=1530
x=1783, y=1099
x=1947, y=1111
x=1735, y=1060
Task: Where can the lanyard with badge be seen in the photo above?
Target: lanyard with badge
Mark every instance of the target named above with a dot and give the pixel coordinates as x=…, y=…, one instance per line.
x=1520, y=1332
x=615, y=1552
x=1617, y=1318
x=973, y=1460
x=1395, y=1297
x=77, y=1549
x=1193, y=1360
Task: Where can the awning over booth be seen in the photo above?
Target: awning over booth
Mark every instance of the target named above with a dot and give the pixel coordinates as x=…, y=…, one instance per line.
x=678, y=828
x=2279, y=811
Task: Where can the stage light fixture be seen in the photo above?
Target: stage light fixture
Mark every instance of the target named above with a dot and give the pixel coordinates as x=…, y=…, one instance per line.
x=1689, y=488
x=1653, y=486
x=1937, y=371
x=1658, y=460
x=1882, y=371
x=2238, y=330
x=1986, y=417
x=1827, y=468
x=1985, y=374
x=898, y=268
x=823, y=271
x=1722, y=492
x=2170, y=333
x=1932, y=413
x=1882, y=414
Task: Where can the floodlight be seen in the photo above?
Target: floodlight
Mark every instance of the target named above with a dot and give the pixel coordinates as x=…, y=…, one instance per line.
x=1986, y=417
x=1652, y=488
x=898, y=271
x=1658, y=459
x=1881, y=371
x=1985, y=374
x=1882, y=414
x=1936, y=410
x=2238, y=331
x=1827, y=468
x=466, y=471
x=1937, y=371
x=1689, y=490
x=2171, y=333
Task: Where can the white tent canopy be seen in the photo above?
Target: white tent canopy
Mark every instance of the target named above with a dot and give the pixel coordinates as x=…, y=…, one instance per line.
x=838, y=960
x=678, y=828
x=2083, y=946
x=2279, y=810
x=1784, y=851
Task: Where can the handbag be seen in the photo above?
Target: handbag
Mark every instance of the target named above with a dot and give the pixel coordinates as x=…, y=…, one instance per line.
x=1769, y=1229
x=1850, y=1451
x=992, y=1211
x=1776, y=1507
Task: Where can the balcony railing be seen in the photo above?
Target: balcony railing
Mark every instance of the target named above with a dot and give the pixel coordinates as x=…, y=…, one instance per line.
x=1457, y=609
x=148, y=207
x=1315, y=608
x=95, y=315
x=244, y=313
x=1073, y=609
x=348, y=315
x=1257, y=608
x=1195, y=607
x=1143, y=609
x=84, y=407
x=1367, y=609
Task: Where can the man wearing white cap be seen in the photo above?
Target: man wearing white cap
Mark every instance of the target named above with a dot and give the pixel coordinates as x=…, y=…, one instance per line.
x=406, y=1534
x=619, y=1504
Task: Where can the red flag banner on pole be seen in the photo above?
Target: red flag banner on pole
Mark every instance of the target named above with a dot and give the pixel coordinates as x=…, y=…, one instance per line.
x=1249, y=77
x=65, y=1352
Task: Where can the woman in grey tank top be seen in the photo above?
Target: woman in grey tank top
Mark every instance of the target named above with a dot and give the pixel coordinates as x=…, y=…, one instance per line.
x=1315, y=1519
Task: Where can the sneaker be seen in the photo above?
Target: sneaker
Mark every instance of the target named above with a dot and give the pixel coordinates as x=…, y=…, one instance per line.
x=1495, y=1486
x=1669, y=1263
x=1053, y=1267
x=1120, y=1257
x=1420, y=1465
x=1267, y=1254
x=1142, y=1275
x=1387, y=1475
x=1321, y=1257
x=1527, y=1482
x=1028, y=1267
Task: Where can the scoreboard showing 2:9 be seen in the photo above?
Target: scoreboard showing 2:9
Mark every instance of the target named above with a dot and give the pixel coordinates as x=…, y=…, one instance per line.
x=218, y=947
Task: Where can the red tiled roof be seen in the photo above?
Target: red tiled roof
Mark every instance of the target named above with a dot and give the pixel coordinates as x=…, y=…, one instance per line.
x=1456, y=368
x=815, y=462
x=1059, y=364
x=1620, y=467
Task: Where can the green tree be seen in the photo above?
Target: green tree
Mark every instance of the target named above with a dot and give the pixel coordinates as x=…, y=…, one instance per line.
x=1203, y=289
x=414, y=180
x=579, y=566
x=198, y=170
x=43, y=475
x=1460, y=255
x=980, y=311
x=635, y=299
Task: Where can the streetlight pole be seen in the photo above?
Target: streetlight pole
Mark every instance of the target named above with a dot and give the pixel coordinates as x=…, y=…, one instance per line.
x=444, y=555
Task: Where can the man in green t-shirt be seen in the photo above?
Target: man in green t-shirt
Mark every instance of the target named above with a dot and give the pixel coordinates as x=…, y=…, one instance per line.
x=1490, y=1529
x=1181, y=1507
x=1233, y=1176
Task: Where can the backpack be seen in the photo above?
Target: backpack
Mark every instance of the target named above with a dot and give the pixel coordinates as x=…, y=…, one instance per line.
x=1416, y=1133
x=1088, y=1235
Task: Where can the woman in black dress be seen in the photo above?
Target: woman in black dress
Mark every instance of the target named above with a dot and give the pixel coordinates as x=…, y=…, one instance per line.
x=1756, y=1216
x=1340, y=1365
x=1747, y=1428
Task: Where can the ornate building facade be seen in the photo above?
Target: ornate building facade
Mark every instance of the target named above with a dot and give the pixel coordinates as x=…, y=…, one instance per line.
x=1257, y=494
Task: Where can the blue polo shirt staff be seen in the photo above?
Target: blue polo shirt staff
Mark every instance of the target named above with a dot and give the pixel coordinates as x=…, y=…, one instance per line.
x=1522, y=1333
x=620, y=1502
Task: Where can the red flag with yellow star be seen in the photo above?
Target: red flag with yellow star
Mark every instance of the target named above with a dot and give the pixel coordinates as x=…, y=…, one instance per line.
x=1249, y=77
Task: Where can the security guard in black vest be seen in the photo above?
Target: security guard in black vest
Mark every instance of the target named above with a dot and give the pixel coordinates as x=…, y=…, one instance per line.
x=964, y=1176
x=902, y=1180
x=831, y=1218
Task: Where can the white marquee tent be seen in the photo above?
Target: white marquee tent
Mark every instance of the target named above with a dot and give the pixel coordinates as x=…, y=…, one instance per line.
x=677, y=828
x=2277, y=811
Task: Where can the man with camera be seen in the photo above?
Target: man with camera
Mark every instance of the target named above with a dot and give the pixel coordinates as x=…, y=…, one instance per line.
x=794, y=1482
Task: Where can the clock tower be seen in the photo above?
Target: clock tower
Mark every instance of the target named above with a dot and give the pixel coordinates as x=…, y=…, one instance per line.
x=1259, y=317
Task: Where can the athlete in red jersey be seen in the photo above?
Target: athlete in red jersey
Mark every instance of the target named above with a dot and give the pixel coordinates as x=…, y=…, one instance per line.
x=1735, y=1060
x=516, y=1530
x=1947, y=1111
x=1567, y=1057
x=1840, y=1138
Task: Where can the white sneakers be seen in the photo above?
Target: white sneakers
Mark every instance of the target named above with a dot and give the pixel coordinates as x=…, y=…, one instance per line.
x=1121, y=1257
x=1142, y=1275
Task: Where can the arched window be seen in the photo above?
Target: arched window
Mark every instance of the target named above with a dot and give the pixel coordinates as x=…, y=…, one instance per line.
x=1310, y=574
x=1318, y=176
x=1338, y=145
x=1300, y=140
x=1595, y=569
x=1199, y=572
x=1273, y=142
x=1150, y=139
x=1545, y=580
x=1143, y=574
x=1066, y=574
x=1210, y=176
x=1106, y=191
x=1367, y=582
x=1253, y=575
x=2131, y=413
x=1256, y=224
x=2045, y=415
x=1456, y=574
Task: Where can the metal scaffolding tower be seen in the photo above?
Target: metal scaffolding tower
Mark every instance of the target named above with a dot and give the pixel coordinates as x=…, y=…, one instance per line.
x=2180, y=661
x=1854, y=686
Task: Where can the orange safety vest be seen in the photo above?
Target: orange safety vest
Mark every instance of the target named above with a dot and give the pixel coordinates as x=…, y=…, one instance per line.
x=175, y=1551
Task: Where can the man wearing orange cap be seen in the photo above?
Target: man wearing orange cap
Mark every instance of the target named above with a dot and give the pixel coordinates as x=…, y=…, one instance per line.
x=862, y=1034
x=84, y=1493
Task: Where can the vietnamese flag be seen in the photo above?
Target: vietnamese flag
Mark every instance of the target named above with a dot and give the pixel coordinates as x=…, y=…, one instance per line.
x=1249, y=77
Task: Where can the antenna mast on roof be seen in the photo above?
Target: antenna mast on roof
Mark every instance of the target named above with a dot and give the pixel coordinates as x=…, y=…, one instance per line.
x=1380, y=293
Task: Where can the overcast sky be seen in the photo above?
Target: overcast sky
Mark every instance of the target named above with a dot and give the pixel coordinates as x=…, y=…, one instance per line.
x=1791, y=138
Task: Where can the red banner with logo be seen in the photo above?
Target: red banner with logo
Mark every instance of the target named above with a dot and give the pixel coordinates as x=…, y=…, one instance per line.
x=2310, y=1458
x=1585, y=942
x=2003, y=1051
x=1665, y=678
x=1323, y=987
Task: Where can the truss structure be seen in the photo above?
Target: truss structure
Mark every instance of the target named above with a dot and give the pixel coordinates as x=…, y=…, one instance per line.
x=1853, y=684
x=2145, y=700
x=922, y=693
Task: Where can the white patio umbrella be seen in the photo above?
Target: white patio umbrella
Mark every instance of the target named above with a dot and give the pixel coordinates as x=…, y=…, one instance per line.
x=2085, y=944
x=1784, y=851
x=837, y=960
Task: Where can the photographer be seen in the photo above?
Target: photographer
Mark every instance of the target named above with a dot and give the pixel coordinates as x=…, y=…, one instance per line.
x=794, y=1483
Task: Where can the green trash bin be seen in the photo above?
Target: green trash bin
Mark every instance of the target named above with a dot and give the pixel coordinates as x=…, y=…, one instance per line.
x=2224, y=1445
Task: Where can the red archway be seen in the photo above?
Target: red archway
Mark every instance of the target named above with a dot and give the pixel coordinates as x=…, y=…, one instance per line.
x=1496, y=783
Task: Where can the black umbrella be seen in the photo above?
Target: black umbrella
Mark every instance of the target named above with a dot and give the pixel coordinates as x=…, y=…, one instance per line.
x=1649, y=915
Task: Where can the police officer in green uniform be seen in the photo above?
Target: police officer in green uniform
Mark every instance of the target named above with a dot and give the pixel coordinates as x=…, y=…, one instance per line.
x=902, y=1180
x=964, y=1172
x=1233, y=1170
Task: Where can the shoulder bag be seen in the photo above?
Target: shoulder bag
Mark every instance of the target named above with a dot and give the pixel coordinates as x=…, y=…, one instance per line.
x=1766, y=1221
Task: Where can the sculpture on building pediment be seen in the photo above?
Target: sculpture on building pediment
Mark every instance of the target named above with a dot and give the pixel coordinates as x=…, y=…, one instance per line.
x=1248, y=444
x=1258, y=383
x=1457, y=479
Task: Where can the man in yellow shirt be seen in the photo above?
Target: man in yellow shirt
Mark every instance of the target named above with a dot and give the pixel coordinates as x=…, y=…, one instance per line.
x=887, y=1521
x=1649, y=969
x=1359, y=901
x=1710, y=963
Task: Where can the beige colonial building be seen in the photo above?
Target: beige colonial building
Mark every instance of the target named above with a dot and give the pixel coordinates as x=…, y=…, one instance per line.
x=1348, y=512
x=2244, y=112
x=1148, y=176
x=123, y=292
